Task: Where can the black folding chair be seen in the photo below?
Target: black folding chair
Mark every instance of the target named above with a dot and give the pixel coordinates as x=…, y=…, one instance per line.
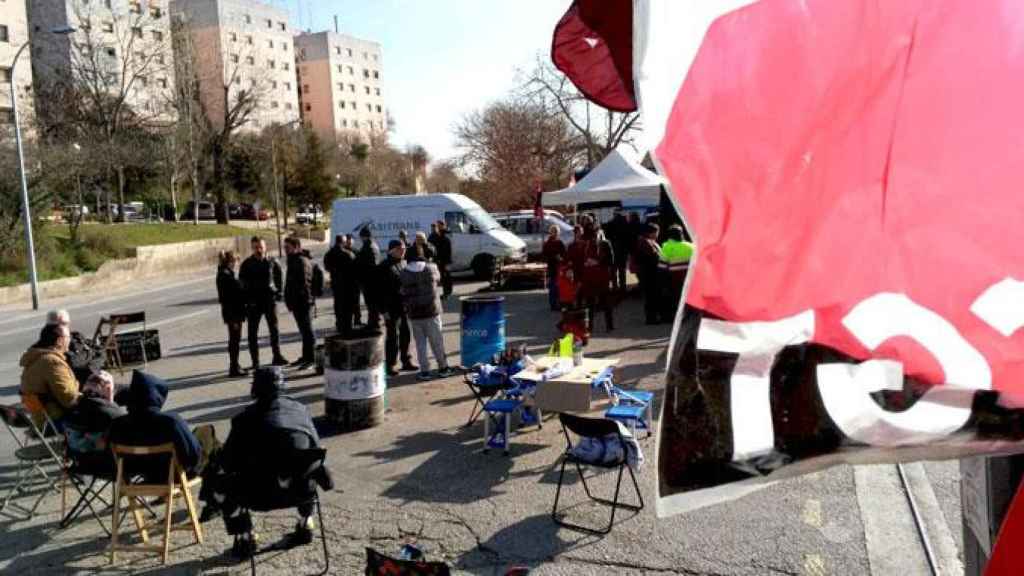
x=89, y=473
x=38, y=449
x=597, y=428
x=300, y=467
x=483, y=391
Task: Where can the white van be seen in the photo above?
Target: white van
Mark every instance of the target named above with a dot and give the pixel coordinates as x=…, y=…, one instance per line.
x=478, y=241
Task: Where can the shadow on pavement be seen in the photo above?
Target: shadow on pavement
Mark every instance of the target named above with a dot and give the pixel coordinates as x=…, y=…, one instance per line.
x=532, y=541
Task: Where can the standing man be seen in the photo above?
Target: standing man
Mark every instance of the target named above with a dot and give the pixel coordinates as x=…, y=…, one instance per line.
x=420, y=280
x=396, y=322
x=675, y=262
x=618, y=232
x=443, y=254
x=366, y=269
x=298, y=297
x=260, y=277
x=648, y=258
x=340, y=263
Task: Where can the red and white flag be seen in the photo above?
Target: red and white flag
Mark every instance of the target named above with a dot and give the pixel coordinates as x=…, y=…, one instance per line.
x=851, y=171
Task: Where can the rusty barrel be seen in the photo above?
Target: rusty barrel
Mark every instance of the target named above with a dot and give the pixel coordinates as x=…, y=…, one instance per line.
x=354, y=380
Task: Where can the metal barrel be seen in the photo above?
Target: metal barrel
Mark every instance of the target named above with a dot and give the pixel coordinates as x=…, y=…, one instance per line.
x=483, y=328
x=355, y=383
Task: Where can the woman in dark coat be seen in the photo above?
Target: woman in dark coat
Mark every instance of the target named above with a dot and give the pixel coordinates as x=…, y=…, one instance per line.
x=232, y=307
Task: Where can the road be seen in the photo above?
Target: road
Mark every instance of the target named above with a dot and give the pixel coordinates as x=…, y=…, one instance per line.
x=421, y=476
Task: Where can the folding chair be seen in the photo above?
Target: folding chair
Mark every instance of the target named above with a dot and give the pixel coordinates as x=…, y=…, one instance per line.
x=633, y=408
x=108, y=340
x=299, y=467
x=484, y=389
x=596, y=428
x=89, y=473
x=33, y=452
x=178, y=485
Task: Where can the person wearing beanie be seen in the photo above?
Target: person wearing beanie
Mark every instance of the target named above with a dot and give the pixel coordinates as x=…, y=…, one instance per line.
x=274, y=423
x=396, y=322
x=421, y=293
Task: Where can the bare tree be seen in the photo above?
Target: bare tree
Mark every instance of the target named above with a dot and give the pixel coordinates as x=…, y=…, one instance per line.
x=115, y=88
x=225, y=96
x=602, y=130
x=514, y=145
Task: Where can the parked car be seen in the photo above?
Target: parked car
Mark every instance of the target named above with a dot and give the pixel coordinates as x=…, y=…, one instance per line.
x=206, y=211
x=130, y=213
x=249, y=212
x=74, y=211
x=309, y=214
x=523, y=224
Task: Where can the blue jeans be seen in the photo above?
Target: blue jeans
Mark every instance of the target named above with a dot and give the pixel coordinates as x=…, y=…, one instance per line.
x=553, y=292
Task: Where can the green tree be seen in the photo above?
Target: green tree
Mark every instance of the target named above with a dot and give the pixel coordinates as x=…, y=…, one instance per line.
x=312, y=183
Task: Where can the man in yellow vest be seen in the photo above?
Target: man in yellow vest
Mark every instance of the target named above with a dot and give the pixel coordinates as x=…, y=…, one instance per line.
x=675, y=262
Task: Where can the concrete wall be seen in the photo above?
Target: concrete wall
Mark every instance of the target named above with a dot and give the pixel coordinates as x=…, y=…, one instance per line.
x=149, y=262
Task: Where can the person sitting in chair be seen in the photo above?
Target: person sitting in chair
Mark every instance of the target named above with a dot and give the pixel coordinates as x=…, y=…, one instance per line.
x=244, y=478
x=46, y=375
x=146, y=425
x=88, y=425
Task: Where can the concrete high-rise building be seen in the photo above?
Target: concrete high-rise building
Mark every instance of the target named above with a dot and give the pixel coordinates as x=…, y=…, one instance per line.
x=243, y=57
x=118, y=47
x=341, y=83
x=14, y=33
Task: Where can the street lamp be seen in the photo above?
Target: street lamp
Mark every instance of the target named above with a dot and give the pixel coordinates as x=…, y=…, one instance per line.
x=26, y=211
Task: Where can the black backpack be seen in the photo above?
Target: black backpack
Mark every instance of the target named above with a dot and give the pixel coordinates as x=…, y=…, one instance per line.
x=318, y=281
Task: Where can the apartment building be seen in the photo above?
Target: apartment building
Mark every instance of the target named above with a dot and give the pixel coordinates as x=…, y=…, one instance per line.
x=341, y=84
x=244, y=47
x=120, y=47
x=13, y=34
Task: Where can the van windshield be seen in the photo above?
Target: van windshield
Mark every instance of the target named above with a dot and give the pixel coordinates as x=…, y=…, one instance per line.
x=481, y=219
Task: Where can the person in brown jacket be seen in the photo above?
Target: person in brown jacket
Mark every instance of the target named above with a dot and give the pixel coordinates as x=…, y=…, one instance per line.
x=47, y=375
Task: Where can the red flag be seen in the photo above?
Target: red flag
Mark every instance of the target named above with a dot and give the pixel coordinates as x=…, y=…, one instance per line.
x=592, y=45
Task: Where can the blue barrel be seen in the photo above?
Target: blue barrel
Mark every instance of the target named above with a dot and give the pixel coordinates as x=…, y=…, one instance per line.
x=483, y=328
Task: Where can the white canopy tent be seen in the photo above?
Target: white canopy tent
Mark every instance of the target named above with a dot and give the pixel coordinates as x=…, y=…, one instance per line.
x=617, y=178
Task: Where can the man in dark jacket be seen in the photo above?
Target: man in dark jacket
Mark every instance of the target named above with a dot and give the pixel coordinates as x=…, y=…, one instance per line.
x=648, y=258
x=273, y=424
x=619, y=234
x=260, y=277
x=443, y=254
x=298, y=297
x=340, y=262
x=420, y=280
x=396, y=323
x=366, y=268
x=146, y=425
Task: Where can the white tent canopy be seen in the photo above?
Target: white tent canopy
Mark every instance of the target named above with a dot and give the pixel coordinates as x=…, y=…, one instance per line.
x=617, y=178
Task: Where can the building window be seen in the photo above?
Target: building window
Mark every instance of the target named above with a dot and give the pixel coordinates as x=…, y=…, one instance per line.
x=287, y=85
x=270, y=43
x=233, y=37
x=305, y=88
x=374, y=57
x=162, y=82
x=273, y=84
x=366, y=73
x=283, y=27
x=234, y=58
x=350, y=52
x=344, y=123
x=135, y=8
x=341, y=87
x=337, y=50
x=287, y=105
x=365, y=56
x=155, y=12
x=273, y=104
x=353, y=105
x=269, y=23
x=351, y=87
x=238, y=79
x=142, y=81
x=286, y=66
x=367, y=88
x=160, y=59
x=271, y=64
x=252, y=82
x=108, y=27
x=377, y=90
x=137, y=32
x=339, y=68
x=158, y=36
x=284, y=46
x=351, y=71
x=248, y=40
x=4, y=34
x=355, y=123
x=341, y=104
x=378, y=108
x=376, y=75
x=309, y=108
x=5, y=75
x=248, y=19
x=111, y=52
x=250, y=60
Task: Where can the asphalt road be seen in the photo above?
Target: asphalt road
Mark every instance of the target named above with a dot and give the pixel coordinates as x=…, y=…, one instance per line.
x=421, y=476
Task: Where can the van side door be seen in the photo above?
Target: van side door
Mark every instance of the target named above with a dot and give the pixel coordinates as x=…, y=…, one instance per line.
x=465, y=243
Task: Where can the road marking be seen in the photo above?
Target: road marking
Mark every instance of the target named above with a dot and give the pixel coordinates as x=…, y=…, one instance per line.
x=812, y=513
x=894, y=546
x=814, y=565
x=167, y=321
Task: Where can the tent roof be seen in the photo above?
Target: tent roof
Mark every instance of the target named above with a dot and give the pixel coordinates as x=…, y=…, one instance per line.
x=617, y=177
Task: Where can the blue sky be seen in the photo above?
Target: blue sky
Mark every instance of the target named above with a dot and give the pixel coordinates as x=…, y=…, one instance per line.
x=442, y=58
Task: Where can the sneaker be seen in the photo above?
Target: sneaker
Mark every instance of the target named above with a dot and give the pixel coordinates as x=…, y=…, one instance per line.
x=409, y=367
x=244, y=548
x=303, y=533
x=446, y=372
x=279, y=361
x=236, y=372
x=424, y=376
x=392, y=371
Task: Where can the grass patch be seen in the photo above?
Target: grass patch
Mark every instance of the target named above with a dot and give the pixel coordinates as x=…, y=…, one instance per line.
x=58, y=257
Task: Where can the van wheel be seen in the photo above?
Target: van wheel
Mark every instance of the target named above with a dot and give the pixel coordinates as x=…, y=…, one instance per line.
x=483, y=267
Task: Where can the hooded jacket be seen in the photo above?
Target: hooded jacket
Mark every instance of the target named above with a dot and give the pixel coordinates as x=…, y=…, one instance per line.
x=146, y=425
x=419, y=290
x=47, y=375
